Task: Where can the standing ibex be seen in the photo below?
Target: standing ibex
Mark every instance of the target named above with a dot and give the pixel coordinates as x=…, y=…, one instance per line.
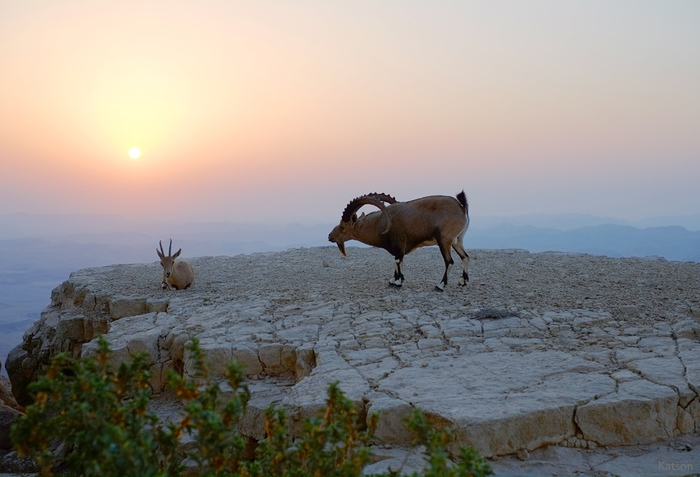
x=177, y=275
x=401, y=227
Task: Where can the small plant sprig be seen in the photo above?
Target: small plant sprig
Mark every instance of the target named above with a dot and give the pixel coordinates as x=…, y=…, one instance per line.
x=334, y=444
x=219, y=446
x=469, y=462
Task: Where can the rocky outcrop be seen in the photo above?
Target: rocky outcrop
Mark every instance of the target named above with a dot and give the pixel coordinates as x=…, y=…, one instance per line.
x=81, y=308
x=9, y=411
x=540, y=349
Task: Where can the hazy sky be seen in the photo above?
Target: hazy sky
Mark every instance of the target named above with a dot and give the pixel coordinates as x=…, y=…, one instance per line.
x=248, y=110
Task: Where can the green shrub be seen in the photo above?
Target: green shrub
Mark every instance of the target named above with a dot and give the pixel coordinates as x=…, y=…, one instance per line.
x=100, y=419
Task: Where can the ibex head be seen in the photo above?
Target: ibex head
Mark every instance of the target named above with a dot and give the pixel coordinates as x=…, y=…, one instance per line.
x=347, y=229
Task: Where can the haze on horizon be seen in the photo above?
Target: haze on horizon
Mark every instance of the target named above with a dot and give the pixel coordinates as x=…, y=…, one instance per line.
x=262, y=110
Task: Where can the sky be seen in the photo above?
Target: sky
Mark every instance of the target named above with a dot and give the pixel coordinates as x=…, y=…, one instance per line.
x=284, y=111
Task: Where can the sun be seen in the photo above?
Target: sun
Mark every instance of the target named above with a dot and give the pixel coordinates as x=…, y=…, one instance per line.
x=134, y=152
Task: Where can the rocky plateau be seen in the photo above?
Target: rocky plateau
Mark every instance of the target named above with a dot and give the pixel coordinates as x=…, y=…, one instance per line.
x=540, y=354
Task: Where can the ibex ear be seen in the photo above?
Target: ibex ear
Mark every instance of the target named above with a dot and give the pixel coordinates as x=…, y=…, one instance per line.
x=159, y=254
x=177, y=254
x=353, y=219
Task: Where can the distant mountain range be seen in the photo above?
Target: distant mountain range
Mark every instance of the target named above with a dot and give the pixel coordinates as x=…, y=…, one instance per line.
x=671, y=243
x=55, y=244
x=576, y=221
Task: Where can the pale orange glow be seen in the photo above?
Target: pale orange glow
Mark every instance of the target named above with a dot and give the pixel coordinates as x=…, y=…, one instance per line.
x=257, y=109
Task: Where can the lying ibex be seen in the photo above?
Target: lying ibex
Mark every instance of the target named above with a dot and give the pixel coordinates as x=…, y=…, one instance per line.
x=177, y=275
x=401, y=227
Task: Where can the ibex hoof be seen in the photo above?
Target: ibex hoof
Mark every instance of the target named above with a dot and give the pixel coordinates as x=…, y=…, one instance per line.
x=437, y=288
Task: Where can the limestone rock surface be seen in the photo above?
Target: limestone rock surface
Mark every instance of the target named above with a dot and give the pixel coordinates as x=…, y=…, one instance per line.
x=538, y=350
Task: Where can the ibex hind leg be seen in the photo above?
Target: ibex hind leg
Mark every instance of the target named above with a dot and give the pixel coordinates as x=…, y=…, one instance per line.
x=447, y=256
x=465, y=262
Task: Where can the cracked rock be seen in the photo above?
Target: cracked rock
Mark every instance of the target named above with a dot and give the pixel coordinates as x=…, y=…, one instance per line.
x=537, y=351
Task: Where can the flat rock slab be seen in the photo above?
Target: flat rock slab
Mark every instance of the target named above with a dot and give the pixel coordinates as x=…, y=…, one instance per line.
x=542, y=349
x=679, y=457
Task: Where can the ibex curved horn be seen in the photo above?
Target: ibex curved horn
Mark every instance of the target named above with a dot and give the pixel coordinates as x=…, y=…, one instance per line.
x=384, y=197
x=367, y=199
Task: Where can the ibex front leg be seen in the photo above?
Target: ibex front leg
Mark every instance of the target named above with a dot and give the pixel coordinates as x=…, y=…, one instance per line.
x=165, y=285
x=398, y=279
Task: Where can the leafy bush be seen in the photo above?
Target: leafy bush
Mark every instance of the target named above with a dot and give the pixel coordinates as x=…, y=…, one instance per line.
x=100, y=415
x=99, y=420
